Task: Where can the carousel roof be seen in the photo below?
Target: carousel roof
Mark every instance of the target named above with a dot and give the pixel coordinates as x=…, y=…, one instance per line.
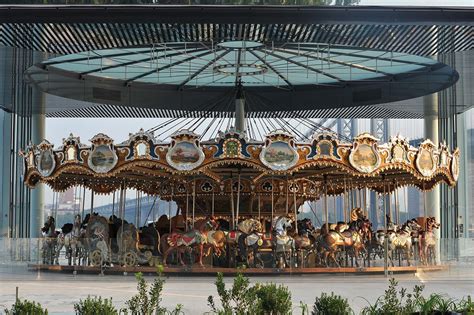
x=277, y=165
x=203, y=76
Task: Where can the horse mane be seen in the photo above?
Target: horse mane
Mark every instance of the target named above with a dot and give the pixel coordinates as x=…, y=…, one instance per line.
x=67, y=228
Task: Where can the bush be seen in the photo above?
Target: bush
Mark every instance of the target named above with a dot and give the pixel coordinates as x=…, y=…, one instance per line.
x=147, y=301
x=26, y=307
x=95, y=305
x=331, y=304
x=273, y=299
x=240, y=299
x=245, y=299
x=465, y=306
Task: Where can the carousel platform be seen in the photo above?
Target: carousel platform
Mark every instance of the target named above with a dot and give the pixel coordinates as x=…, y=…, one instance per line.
x=207, y=270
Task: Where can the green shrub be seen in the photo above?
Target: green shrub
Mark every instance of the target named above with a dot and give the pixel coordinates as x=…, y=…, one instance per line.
x=273, y=299
x=26, y=307
x=466, y=306
x=331, y=304
x=147, y=301
x=393, y=302
x=240, y=299
x=95, y=306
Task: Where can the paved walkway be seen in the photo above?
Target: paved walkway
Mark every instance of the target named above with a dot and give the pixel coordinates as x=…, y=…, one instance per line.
x=58, y=292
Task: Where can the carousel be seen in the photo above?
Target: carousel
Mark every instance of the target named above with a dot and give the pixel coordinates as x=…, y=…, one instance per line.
x=241, y=190
x=238, y=201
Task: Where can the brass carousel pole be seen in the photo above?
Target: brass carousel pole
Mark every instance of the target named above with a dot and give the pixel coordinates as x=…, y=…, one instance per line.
x=83, y=201
x=326, y=203
x=334, y=203
x=296, y=210
x=424, y=201
x=287, y=193
x=113, y=203
x=213, y=202
x=397, y=208
x=92, y=201
x=238, y=200
x=385, y=266
x=232, y=201
x=345, y=202
x=187, y=209
x=366, y=209
x=259, y=217
x=194, y=199
x=169, y=206
x=273, y=188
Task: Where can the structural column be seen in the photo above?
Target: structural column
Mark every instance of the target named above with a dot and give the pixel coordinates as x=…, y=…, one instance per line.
x=433, y=206
x=5, y=134
x=37, y=194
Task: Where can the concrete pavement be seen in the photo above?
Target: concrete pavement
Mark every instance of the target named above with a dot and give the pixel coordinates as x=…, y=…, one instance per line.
x=58, y=292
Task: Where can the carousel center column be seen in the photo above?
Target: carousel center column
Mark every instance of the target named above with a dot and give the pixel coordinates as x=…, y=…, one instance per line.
x=433, y=206
x=37, y=194
x=240, y=111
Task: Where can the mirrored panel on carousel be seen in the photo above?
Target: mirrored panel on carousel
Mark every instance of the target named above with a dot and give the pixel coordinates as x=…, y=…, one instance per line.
x=46, y=162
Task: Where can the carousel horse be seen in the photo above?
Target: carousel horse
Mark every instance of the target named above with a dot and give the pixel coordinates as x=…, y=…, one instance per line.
x=149, y=239
x=282, y=243
x=304, y=239
x=115, y=223
x=216, y=240
x=350, y=237
x=427, y=241
x=70, y=238
x=402, y=240
x=246, y=236
x=195, y=238
x=50, y=235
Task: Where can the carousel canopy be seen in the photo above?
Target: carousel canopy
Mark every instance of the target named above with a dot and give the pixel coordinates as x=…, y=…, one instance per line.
x=231, y=164
x=273, y=76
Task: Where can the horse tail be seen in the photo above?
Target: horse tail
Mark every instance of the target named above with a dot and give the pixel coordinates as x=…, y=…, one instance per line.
x=158, y=243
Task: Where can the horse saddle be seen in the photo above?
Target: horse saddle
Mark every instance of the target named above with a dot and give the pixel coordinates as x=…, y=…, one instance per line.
x=266, y=236
x=178, y=239
x=233, y=235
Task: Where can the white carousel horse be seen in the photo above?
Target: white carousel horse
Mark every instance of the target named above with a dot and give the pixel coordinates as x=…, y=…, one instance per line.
x=71, y=242
x=283, y=244
x=402, y=239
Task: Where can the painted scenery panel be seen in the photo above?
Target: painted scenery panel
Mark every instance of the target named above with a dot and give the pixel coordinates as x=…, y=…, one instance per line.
x=364, y=156
x=279, y=153
x=426, y=161
x=102, y=158
x=184, y=153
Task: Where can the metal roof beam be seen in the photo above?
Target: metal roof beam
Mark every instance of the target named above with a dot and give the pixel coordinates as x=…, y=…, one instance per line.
x=305, y=66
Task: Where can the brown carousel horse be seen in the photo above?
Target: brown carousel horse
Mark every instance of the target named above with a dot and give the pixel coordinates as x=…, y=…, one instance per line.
x=304, y=240
x=195, y=238
x=351, y=236
x=427, y=241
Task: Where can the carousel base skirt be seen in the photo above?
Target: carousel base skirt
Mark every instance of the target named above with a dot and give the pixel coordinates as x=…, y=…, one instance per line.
x=208, y=270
